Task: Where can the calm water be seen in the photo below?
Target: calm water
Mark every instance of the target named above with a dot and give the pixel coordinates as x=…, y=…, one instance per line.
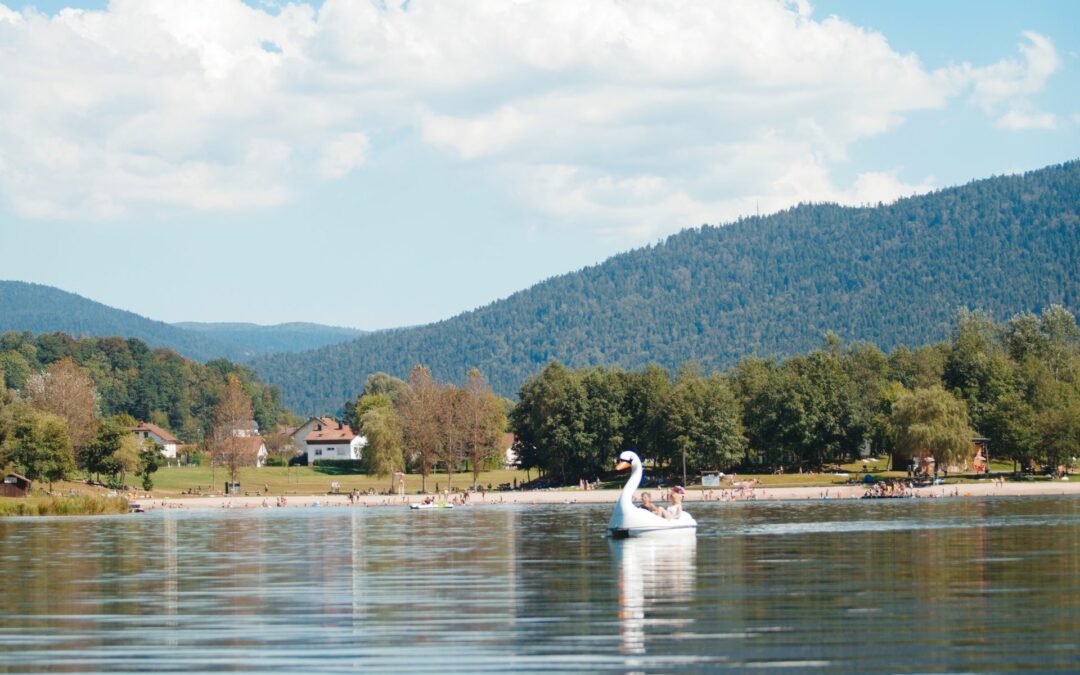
x=892, y=586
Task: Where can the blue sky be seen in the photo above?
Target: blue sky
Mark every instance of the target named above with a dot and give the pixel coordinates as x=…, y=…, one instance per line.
x=379, y=165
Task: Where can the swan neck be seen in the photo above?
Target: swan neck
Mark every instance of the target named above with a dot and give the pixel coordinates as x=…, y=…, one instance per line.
x=631, y=484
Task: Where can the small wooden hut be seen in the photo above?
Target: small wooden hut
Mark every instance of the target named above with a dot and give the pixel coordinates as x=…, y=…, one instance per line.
x=15, y=485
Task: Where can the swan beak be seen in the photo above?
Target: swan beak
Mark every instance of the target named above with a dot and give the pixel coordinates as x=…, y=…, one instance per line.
x=622, y=465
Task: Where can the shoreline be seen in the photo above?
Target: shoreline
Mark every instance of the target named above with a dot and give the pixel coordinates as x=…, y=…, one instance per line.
x=986, y=489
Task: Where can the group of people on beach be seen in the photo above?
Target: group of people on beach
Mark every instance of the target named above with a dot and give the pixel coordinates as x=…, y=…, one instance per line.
x=887, y=490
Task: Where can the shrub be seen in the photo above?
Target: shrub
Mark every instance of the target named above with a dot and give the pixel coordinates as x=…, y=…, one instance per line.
x=339, y=466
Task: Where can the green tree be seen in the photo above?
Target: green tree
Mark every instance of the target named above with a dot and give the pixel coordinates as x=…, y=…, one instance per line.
x=549, y=425
x=1011, y=425
x=386, y=385
x=978, y=367
x=701, y=421
x=384, y=453
x=150, y=459
x=1059, y=435
x=38, y=445
x=98, y=457
x=644, y=392
x=932, y=422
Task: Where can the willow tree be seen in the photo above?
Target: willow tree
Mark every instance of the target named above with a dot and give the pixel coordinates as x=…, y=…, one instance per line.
x=931, y=423
x=384, y=452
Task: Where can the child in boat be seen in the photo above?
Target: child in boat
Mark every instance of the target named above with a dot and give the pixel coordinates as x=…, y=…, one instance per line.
x=675, y=510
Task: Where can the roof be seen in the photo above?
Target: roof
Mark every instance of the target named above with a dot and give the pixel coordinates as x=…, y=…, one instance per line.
x=250, y=445
x=156, y=430
x=332, y=431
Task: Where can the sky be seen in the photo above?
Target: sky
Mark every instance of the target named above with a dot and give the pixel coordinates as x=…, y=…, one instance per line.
x=387, y=163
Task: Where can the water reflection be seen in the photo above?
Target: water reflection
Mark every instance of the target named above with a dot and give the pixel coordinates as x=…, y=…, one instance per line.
x=933, y=585
x=655, y=569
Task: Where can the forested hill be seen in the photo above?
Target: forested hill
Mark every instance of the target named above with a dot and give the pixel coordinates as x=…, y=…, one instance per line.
x=254, y=339
x=768, y=285
x=36, y=308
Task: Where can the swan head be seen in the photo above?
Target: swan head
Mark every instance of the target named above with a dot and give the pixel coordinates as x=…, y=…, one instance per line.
x=627, y=459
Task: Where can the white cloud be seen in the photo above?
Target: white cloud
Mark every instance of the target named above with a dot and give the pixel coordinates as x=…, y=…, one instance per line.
x=343, y=154
x=1009, y=79
x=1012, y=82
x=634, y=118
x=1017, y=120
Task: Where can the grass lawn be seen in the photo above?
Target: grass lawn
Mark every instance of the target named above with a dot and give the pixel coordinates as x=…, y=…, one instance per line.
x=176, y=481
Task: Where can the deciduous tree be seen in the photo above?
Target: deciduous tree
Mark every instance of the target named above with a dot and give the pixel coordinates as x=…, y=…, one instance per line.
x=384, y=453
x=420, y=423
x=232, y=412
x=65, y=390
x=932, y=422
x=38, y=445
x=484, y=422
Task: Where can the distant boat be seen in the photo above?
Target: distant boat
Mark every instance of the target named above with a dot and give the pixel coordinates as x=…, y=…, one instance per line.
x=437, y=505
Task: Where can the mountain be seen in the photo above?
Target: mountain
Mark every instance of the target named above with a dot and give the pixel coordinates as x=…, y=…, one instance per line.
x=254, y=339
x=36, y=308
x=43, y=309
x=771, y=286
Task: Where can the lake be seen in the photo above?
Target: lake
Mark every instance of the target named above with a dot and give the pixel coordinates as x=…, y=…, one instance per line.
x=893, y=585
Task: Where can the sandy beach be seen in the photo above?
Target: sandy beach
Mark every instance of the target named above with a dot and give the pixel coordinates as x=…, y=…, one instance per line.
x=478, y=499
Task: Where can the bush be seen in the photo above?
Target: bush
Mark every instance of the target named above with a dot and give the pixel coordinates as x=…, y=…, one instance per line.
x=197, y=459
x=275, y=460
x=339, y=466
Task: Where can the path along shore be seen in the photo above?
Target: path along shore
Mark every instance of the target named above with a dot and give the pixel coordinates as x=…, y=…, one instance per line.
x=987, y=488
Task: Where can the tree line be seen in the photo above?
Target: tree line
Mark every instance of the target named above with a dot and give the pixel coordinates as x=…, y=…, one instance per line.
x=1017, y=383
x=421, y=425
x=68, y=404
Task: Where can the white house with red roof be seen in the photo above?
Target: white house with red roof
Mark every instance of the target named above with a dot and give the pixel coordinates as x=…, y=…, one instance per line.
x=148, y=431
x=326, y=438
x=254, y=450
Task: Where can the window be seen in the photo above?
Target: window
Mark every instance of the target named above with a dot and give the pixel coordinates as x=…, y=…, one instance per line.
x=318, y=452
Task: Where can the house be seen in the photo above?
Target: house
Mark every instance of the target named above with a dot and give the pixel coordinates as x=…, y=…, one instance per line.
x=253, y=450
x=510, y=458
x=147, y=431
x=245, y=429
x=15, y=485
x=326, y=438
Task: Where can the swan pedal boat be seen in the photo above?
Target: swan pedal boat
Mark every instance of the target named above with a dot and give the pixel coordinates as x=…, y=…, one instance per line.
x=628, y=520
